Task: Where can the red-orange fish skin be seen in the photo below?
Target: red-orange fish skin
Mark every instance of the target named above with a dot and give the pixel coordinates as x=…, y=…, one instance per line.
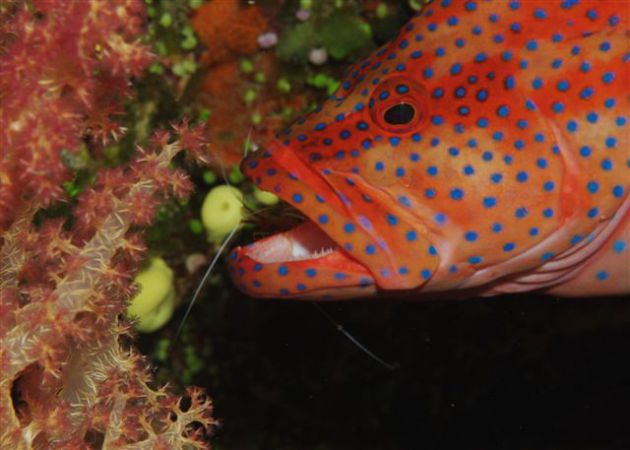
x=485, y=148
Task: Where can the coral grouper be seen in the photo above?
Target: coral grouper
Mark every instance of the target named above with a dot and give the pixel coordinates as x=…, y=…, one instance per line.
x=483, y=151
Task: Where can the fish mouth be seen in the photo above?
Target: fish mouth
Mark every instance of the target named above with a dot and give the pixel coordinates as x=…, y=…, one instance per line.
x=303, y=262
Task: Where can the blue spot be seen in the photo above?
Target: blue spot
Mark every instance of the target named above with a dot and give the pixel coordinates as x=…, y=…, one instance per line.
x=471, y=236
x=619, y=246
x=557, y=107
x=297, y=198
x=258, y=267
x=587, y=93
x=532, y=45
x=489, y=202
x=475, y=259
x=607, y=164
x=546, y=256
x=432, y=171
x=572, y=126
x=411, y=235
x=457, y=194
x=437, y=120
x=548, y=213
x=469, y=170
x=592, y=117
x=503, y=111
x=282, y=271
x=482, y=95
x=592, y=213
x=608, y=77
x=509, y=82
x=453, y=151
x=602, y=275
x=392, y=220
x=320, y=126
x=521, y=213
x=591, y=14
x=542, y=163
x=428, y=72
x=340, y=276
x=611, y=142
x=617, y=191
x=480, y=57
x=592, y=187
x=509, y=247
x=487, y=156
x=497, y=227
x=604, y=46
x=456, y=69
x=425, y=274
x=522, y=177
x=534, y=231
x=563, y=85
x=323, y=219
x=429, y=193
x=549, y=186
x=310, y=273
x=394, y=141
x=379, y=166
x=585, y=151
x=370, y=249
x=440, y=218
x=496, y=178
x=537, y=83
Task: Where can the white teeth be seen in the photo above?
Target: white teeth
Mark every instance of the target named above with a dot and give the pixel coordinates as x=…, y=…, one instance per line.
x=300, y=253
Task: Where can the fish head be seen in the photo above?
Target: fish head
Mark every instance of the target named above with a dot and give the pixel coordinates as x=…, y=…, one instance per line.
x=415, y=175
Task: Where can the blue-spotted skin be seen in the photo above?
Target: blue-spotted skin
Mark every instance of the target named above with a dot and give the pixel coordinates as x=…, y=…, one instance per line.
x=513, y=174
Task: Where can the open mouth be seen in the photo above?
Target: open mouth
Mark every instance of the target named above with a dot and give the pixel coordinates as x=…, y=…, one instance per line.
x=301, y=262
x=304, y=242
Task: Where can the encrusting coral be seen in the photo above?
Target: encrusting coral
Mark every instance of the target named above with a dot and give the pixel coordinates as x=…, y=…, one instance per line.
x=69, y=379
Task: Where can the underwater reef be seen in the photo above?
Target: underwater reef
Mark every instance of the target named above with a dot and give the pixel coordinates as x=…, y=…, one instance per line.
x=122, y=128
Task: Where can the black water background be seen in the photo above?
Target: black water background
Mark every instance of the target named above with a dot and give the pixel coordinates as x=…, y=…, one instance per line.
x=513, y=372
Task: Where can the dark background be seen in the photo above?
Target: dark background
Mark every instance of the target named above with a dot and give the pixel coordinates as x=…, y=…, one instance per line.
x=512, y=372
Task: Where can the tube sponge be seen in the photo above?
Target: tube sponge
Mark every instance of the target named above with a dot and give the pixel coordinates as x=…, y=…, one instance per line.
x=153, y=305
x=222, y=211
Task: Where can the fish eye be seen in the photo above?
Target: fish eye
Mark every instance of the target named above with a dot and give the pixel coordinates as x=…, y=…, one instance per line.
x=399, y=114
x=398, y=105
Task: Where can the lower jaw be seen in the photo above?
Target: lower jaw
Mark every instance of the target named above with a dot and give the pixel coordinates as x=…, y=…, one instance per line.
x=302, y=263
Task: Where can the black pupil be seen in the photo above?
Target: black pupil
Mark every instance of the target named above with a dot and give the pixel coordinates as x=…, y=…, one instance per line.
x=399, y=114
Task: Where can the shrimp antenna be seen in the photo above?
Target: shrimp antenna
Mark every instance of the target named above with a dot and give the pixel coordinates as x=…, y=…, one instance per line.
x=363, y=348
x=200, y=286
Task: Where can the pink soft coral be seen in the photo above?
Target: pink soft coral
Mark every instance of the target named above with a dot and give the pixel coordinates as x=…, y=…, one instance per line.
x=68, y=378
